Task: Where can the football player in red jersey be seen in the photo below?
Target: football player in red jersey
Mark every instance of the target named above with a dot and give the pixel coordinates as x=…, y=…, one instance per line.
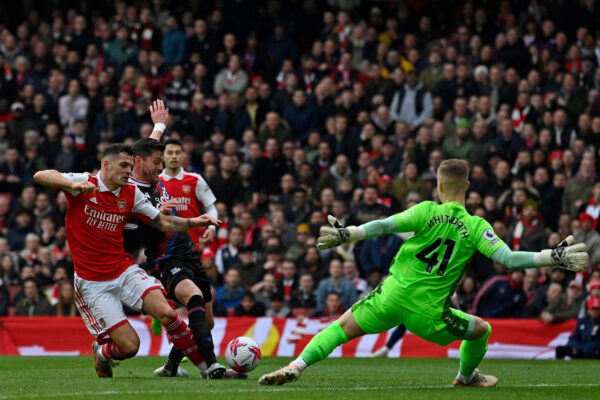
x=105, y=275
x=190, y=191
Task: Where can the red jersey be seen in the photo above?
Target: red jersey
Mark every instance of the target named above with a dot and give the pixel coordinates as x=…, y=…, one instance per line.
x=192, y=194
x=95, y=223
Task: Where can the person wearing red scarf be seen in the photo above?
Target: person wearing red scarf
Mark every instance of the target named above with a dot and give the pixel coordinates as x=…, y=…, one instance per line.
x=588, y=235
x=592, y=208
x=528, y=232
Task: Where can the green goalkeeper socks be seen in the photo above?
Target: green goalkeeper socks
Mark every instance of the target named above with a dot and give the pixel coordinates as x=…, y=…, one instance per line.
x=472, y=352
x=323, y=343
x=156, y=327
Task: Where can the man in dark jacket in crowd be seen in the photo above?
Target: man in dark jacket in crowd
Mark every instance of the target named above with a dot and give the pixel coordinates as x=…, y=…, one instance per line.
x=501, y=296
x=585, y=340
x=34, y=303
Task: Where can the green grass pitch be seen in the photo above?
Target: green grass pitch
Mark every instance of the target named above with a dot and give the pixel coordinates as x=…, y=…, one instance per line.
x=75, y=378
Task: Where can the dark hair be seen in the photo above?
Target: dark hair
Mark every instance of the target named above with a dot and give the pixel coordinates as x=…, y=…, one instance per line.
x=248, y=295
x=276, y=296
x=146, y=147
x=34, y=280
x=232, y=227
x=174, y=141
x=335, y=293
x=117, y=148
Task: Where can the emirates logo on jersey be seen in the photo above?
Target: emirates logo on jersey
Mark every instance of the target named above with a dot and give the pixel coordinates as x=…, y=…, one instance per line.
x=186, y=188
x=122, y=205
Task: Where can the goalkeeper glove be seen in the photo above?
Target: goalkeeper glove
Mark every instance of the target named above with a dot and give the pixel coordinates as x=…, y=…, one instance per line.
x=569, y=240
x=567, y=255
x=336, y=234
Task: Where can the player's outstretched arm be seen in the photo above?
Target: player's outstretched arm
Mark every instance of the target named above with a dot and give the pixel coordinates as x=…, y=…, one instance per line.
x=160, y=116
x=171, y=223
x=55, y=179
x=408, y=221
x=336, y=234
x=566, y=255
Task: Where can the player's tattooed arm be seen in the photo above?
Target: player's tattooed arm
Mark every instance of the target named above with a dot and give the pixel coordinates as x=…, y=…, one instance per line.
x=55, y=179
x=171, y=223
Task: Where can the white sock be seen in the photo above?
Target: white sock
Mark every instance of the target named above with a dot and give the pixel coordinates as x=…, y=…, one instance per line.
x=202, y=367
x=464, y=378
x=100, y=354
x=299, y=362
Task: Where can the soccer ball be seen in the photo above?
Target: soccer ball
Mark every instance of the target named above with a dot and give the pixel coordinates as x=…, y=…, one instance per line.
x=243, y=354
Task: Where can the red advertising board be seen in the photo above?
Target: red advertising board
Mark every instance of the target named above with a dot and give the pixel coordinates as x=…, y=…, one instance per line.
x=510, y=338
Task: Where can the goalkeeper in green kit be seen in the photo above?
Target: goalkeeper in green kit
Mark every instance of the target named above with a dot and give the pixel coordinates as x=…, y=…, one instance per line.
x=423, y=277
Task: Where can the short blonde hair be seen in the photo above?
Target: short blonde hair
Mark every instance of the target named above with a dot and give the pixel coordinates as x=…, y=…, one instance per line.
x=453, y=173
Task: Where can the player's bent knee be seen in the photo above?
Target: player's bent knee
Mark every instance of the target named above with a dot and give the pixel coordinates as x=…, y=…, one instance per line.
x=185, y=290
x=481, y=328
x=350, y=326
x=165, y=315
x=131, y=346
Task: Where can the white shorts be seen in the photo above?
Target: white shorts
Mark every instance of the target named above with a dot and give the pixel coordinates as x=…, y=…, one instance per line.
x=100, y=303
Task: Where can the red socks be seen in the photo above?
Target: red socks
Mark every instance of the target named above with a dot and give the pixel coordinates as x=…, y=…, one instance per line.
x=181, y=336
x=112, y=351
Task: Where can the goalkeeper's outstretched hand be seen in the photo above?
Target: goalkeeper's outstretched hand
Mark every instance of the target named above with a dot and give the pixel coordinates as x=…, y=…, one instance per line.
x=570, y=256
x=334, y=235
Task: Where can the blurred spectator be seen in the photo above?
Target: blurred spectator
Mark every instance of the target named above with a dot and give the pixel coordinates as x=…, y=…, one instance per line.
x=227, y=256
x=301, y=116
x=298, y=249
x=289, y=280
x=277, y=306
x=544, y=296
x=338, y=283
x=173, y=42
x=13, y=173
x=230, y=294
x=249, y=307
x=566, y=306
x=299, y=208
x=34, y=303
x=408, y=182
x=501, y=296
x=333, y=306
x=588, y=235
x=232, y=79
x=579, y=188
x=351, y=273
x=72, y=106
x=585, y=340
x=65, y=307
x=367, y=210
x=304, y=295
x=265, y=288
x=465, y=294
x=412, y=102
x=274, y=127
x=178, y=93
x=246, y=267
x=528, y=233
x=22, y=227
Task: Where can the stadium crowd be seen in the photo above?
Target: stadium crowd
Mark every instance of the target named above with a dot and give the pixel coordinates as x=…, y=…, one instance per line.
x=296, y=110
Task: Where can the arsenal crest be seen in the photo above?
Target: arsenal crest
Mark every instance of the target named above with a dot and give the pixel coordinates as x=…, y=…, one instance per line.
x=186, y=189
x=122, y=205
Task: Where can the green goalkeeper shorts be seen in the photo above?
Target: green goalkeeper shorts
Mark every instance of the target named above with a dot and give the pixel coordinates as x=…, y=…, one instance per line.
x=378, y=313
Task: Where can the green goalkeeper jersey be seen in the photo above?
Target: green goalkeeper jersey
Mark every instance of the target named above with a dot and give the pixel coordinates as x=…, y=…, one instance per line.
x=430, y=264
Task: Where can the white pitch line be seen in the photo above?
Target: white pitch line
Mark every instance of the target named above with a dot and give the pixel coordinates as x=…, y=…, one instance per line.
x=283, y=389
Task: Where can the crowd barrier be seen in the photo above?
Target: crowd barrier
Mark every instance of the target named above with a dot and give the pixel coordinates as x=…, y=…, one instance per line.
x=510, y=338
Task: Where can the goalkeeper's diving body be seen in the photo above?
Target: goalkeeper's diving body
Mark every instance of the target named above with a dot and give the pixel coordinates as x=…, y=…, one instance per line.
x=423, y=277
